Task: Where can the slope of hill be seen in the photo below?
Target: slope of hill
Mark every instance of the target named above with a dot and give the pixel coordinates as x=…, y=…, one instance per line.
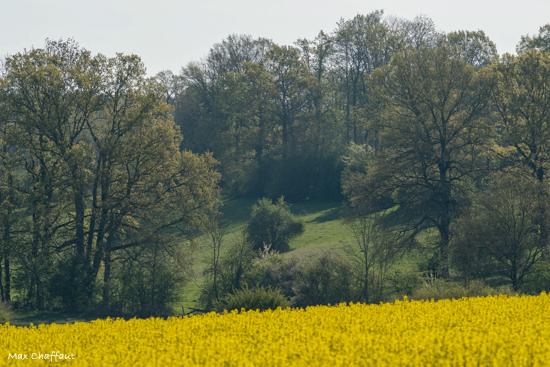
x=324, y=229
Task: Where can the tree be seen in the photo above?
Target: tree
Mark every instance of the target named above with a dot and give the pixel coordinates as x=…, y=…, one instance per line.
x=234, y=52
x=228, y=107
x=216, y=233
x=475, y=47
x=172, y=85
x=102, y=161
x=539, y=42
x=503, y=223
x=11, y=185
x=417, y=33
x=271, y=225
x=292, y=82
x=375, y=249
x=245, y=106
x=362, y=44
x=363, y=181
x=435, y=106
x=51, y=93
x=520, y=94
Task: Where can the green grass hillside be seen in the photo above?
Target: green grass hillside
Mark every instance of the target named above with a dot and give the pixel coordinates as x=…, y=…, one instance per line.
x=324, y=229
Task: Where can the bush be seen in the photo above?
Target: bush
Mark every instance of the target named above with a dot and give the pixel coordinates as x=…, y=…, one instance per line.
x=254, y=299
x=328, y=279
x=73, y=284
x=538, y=280
x=500, y=226
x=439, y=289
x=324, y=279
x=404, y=283
x=271, y=225
x=272, y=270
x=147, y=284
x=5, y=314
x=234, y=267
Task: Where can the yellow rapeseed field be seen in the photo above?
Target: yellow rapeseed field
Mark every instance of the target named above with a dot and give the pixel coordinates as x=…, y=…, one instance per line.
x=491, y=331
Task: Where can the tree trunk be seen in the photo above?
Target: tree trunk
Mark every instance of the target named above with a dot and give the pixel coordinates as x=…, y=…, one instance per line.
x=6, y=240
x=39, y=295
x=107, y=280
x=79, y=222
x=366, y=286
x=444, y=228
x=444, y=248
x=5, y=284
x=514, y=276
x=34, y=286
x=95, y=212
x=7, y=280
x=543, y=215
x=285, y=137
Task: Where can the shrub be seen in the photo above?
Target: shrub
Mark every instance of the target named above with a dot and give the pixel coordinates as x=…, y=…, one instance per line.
x=260, y=298
x=272, y=270
x=324, y=279
x=73, y=284
x=501, y=225
x=271, y=225
x=404, y=283
x=147, y=284
x=434, y=288
x=236, y=263
x=538, y=280
x=327, y=279
x=5, y=314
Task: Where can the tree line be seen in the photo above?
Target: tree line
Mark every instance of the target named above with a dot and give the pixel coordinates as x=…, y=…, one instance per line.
x=108, y=177
x=96, y=195
x=390, y=115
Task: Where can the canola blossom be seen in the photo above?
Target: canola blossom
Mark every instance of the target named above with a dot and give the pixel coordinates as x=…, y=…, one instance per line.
x=485, y=331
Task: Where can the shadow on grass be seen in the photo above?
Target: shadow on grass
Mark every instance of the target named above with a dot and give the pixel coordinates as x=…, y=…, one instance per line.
x=313, y=207
x=329, y=215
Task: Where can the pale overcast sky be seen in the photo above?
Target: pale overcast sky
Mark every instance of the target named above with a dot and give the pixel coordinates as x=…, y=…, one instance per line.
x=167, y=34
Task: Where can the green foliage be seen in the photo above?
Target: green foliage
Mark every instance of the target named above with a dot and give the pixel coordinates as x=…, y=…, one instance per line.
x=404, y=282
x=272, y=225
x=304, y=176
x=363, y=181
x=236, y=263
x=502, y=227
x=325, y=279
x=73, y=284
x=272, y=270
x=541, y=41
x=517, y=94
x=538, y=280
x=474, y=47
x=471, y=259
x=99, y=193
x=375, y=249
x=146, y=285
x=100, y=172
x=254, y=299
x=428, y=182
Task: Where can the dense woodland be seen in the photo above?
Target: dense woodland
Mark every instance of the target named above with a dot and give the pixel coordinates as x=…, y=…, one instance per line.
x=110, y=177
